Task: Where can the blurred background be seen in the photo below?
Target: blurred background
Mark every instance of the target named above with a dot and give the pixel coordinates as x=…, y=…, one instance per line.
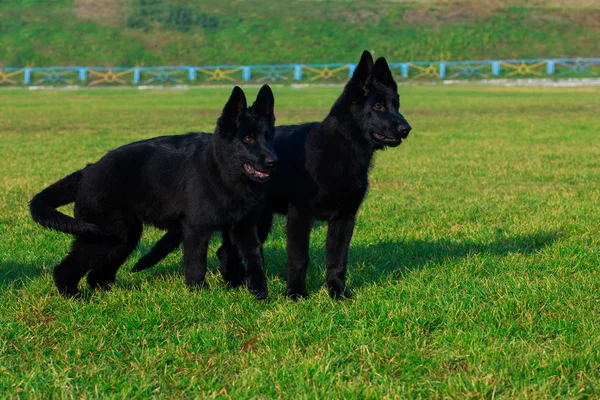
x=128, y=33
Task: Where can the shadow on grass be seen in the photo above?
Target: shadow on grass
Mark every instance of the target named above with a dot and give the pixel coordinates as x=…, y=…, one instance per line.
x=18, y=273
x=368, y=263
x=378, y=261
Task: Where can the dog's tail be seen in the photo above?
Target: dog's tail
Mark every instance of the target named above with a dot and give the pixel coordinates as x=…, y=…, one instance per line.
x=44, y=206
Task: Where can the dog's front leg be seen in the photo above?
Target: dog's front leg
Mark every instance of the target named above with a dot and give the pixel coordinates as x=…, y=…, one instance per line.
x=195, y=245
x=299, y=226
x=339, y=234
x=245, y=237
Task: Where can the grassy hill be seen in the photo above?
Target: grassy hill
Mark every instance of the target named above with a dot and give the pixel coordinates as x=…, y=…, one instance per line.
x=171, y=32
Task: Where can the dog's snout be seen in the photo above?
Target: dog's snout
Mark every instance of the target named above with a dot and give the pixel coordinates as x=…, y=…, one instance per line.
x=404, y=129
x=271, y=161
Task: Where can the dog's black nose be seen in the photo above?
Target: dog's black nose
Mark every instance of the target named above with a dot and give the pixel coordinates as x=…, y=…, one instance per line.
x=404, y=129
x=271, y=162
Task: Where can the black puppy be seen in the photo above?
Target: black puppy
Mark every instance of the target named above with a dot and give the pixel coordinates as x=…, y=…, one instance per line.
x=192, y=184
x=323, y=175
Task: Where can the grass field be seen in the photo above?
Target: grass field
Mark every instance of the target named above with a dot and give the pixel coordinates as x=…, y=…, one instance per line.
x=475, y=261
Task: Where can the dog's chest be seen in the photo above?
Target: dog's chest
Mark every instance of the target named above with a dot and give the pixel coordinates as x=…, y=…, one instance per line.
x=233, y=210
x=341, y=196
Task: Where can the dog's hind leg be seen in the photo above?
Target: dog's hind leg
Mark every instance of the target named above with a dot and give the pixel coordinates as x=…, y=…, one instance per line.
x=264, y=224
x=231, y=267
x=87, y=252
x=245, y=237
x=69, y=271
x=299, y=226
x=110, y=258
x=195, y=248
x=166, y=245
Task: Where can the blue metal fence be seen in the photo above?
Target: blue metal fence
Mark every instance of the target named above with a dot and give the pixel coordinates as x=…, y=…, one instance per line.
x=296, y=73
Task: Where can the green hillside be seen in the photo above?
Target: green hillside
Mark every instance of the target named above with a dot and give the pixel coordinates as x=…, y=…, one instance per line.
x=171, y=32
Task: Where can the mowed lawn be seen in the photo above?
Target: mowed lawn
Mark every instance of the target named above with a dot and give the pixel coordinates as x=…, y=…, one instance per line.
x=475, y=260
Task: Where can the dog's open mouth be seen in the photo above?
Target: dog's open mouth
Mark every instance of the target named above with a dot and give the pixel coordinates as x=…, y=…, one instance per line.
x=250, y=170
x=384, y=140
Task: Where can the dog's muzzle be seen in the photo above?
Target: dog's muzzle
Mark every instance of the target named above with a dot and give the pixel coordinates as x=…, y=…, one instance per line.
x=404, y=130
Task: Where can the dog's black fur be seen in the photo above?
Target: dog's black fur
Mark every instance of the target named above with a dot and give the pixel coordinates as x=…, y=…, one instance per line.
x=323, y=175
x=190, y=184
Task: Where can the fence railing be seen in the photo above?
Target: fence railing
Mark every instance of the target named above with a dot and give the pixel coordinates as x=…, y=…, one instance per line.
x=296, y=73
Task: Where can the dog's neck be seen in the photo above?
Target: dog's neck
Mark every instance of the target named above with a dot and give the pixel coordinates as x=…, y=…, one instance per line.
x=339, y=126
x=218, y=164
x=343, y=140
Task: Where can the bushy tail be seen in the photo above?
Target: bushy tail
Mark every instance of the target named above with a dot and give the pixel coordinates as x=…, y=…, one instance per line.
x=44, y=204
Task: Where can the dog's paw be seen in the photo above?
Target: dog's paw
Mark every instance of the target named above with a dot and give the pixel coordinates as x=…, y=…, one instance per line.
x=235, y=283
x=260, y=295
x=233, y=279
x=233, y=274
x=196, y=284
x=99, y=279
x=296, y=294
x=258, y=287
x=69, y=293
x=339, y=292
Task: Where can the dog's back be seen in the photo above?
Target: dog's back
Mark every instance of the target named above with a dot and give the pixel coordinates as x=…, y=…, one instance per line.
x=141, y=178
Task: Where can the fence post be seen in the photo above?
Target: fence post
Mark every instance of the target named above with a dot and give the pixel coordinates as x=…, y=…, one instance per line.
x=404, y=70
x=495, y=68
x=550, y=67
x=351, y=68
x=82, y=74
x=442, y=70
x=246, y=76
x=27, y=76
x=136, y=76
x=298, y=72
x=191, y=74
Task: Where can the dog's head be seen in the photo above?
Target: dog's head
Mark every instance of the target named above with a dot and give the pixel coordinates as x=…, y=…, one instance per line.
x=247, y=134
x=373, y=101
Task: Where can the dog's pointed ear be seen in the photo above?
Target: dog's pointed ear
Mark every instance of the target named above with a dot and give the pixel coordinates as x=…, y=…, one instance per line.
x=383, y=74
x=234, y=109
x=264, y=105
x=362, y=75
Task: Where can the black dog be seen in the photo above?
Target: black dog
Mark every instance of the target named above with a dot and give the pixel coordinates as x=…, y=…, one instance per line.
x=323, y=175
x=191, y=184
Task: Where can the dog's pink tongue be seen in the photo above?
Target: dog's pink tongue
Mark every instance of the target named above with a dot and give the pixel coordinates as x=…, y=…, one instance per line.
x=250, y=169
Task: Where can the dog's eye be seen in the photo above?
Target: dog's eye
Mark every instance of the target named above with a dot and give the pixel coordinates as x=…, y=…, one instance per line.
x=249, y=139
x=378, y=106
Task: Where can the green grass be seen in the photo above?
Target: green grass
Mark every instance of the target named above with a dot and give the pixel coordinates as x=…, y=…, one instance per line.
x=175, y=32
x=475, y=261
